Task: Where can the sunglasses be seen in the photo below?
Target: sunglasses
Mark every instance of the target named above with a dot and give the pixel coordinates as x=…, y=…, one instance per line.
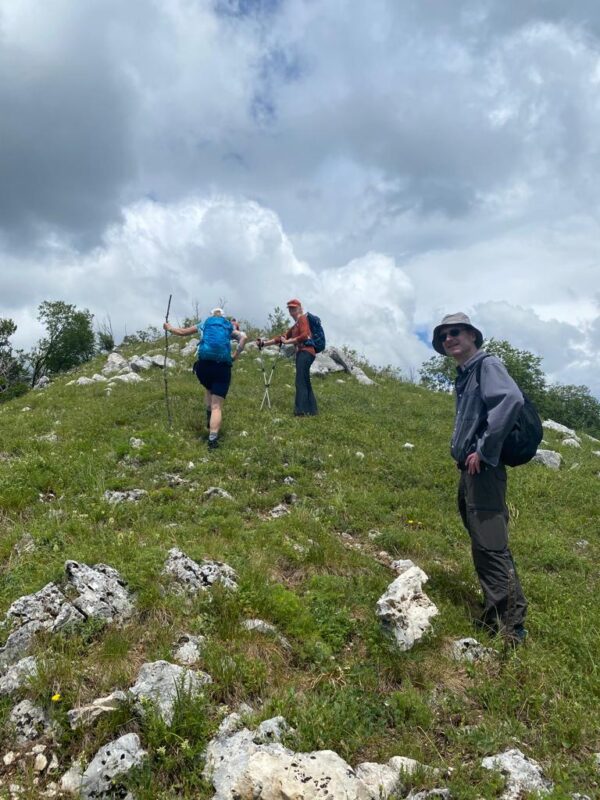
x=454, y=332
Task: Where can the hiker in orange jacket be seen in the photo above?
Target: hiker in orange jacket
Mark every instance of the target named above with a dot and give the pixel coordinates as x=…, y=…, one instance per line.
x=300, y=335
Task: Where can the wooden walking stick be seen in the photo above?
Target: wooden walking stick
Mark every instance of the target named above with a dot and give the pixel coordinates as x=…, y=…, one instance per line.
x=169, y=418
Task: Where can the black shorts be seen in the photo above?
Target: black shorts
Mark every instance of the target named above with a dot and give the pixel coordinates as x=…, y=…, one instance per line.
x=214, y=376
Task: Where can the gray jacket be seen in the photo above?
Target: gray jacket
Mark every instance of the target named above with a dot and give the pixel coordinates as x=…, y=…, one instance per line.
x=486, y=412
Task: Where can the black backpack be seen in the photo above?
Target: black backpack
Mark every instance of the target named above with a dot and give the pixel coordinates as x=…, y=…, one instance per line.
x=318, y=334
x=522, y=442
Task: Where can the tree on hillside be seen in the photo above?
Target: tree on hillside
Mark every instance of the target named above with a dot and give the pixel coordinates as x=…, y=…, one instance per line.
x=105, y=336
x=13, y=379
x=573, y=406
x=439, y=372
x=69, y=339
x=278, y=322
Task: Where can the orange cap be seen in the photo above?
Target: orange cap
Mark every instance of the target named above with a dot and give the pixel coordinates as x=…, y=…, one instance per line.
x=294, y=303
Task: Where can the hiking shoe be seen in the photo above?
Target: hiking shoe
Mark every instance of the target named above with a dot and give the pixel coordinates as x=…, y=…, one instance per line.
x=213, y=444
x=517, y=636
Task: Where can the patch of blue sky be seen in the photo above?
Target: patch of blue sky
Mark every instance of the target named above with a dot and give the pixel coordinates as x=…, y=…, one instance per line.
x=246, y=8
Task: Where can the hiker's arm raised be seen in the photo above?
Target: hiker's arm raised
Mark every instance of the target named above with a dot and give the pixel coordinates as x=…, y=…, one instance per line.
x=180, y=331
x=241, y=340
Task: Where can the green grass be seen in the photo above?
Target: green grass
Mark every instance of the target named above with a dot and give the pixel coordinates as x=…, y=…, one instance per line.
x=342, y=686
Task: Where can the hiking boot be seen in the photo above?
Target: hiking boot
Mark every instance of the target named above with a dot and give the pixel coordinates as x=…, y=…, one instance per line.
x=213, y=444
x=517, y=636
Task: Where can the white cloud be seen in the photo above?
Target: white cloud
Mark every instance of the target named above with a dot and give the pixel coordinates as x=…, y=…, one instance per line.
x=202, y=250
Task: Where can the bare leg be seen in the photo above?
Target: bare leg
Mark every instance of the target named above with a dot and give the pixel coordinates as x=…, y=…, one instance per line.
x=216, y=413
x=207, y=401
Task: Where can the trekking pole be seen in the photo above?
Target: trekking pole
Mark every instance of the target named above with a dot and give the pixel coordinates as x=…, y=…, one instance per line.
x=168, y=404
x=267, y=381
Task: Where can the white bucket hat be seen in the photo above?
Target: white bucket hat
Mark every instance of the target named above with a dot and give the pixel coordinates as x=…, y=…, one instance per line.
x=454, y=319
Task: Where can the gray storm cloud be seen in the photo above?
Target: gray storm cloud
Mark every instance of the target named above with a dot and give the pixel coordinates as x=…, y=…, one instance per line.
x=447, y=148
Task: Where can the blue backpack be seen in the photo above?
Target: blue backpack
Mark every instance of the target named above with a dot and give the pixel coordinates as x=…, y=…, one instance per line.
x=317, y=338
x=216, y=340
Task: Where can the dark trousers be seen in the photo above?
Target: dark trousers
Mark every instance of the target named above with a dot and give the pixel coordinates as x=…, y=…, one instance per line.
x=482, y=506
x=306, y=402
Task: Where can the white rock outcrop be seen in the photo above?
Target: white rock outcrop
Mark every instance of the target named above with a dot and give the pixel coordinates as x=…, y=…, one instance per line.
x=192, y=577
x=28, y=722
x=189, y=649
x=216, y=491
x=522, y=774
x=190, y=347
x=103, y=777
x=246, y=765
x=114, y=363
x=18, y=675
x=549, y=458
x=97, y=591
x=126, y=496
x=405, y=610
x=161, y=683
x=470, y=650
x=86, y=715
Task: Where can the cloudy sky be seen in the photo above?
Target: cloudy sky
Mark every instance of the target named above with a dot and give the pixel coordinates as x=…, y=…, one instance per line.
x=387, y=162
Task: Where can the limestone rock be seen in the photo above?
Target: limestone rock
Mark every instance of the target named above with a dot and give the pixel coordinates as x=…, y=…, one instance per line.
x=216, y=491
x=159, y=361
x=470, y=650
x=114, y=363
x=140, y=363
x=522, y=774
x=190, y=347
x=571, y=442
x=551, y=425
x=127, y=496
x=47, y=610
x=265, y=627
x=102, y=592
x=189, y=649
x=405, y=610
x=401, y=565
x=99, y=592
x=349, y=365
x=17, y=675
x=549, y=458
x=43, y=382
x=85, y=715
x=408, y=446
x=324, y=365
x=442, y=794
x=110, y=764
x=245, y=765
x=161, y=682
x=193, y=577
x=70, y=783
x=29, y=722
x=136, y=444
x=279, y=511
x=127, y=377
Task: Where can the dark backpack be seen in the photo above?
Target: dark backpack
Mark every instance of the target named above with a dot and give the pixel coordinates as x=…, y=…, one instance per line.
x=317, y=338
x=522, y=442
x=216, y=340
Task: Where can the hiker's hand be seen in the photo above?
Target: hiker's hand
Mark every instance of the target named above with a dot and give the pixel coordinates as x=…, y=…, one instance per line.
x=473, y=464
x=166, y=326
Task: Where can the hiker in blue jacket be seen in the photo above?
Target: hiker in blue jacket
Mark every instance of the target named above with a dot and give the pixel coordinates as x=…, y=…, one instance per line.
x=213, y=364
x=488, y=402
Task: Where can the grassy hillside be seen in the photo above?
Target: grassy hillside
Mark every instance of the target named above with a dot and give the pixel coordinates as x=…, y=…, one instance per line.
x=343, y=686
